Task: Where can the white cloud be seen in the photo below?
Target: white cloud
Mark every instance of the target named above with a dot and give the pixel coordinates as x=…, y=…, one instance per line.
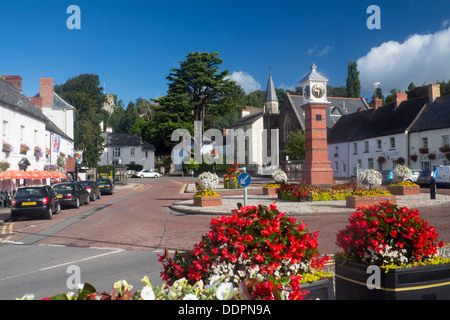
x=419, y=59
x=246, y=81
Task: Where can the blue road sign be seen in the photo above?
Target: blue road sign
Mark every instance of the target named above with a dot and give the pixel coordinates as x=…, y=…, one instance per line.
x=244, y=179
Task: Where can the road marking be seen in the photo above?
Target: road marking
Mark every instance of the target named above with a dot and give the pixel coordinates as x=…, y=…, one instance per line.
x=62, y=264
x=7, y=231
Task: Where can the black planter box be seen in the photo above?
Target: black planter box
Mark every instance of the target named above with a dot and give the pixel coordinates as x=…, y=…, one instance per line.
x=417, y=283
x=319, y=290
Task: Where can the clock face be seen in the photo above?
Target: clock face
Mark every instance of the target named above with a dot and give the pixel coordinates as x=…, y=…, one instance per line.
x=306, y=92
x=318, y=91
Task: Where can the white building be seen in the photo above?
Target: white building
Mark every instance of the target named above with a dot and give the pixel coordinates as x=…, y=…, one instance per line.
x=127, y=148
x=382, y=137
x=22, y=124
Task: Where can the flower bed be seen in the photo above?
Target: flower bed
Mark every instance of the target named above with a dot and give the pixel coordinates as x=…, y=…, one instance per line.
x=257, y=249
x=404, y=188
x=389, y=237
x=302, y=192
x=362, y=198
x=271, y=189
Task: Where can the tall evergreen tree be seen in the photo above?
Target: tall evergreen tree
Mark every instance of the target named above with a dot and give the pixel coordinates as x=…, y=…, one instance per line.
x=353, y=85
x=85, y=94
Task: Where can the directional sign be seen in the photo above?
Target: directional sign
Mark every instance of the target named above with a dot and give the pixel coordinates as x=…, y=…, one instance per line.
x=244, y=179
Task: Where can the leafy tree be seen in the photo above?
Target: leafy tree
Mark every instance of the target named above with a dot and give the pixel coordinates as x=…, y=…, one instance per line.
x=85, y=94
x=353, y=85
x=295, y=145
x=198, y=80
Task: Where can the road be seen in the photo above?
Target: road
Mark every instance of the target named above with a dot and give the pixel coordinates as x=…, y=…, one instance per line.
x=114, y=238
x=120, y=236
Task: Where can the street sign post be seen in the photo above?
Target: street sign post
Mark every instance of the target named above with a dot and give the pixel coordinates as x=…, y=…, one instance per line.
x=244, y=180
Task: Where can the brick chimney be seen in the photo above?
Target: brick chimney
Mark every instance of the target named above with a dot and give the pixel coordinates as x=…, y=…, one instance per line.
x=378, y=103
x=434, y=91
x=399, y=97
x=46, y=92
x=15, y=80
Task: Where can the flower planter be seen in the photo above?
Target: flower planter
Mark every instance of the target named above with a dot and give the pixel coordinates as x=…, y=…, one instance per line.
x=403, y=190
x=319, y=290
x=363, y=201
x=207, y=201
x=270, y=191
x=230, y=184
x=417, y=283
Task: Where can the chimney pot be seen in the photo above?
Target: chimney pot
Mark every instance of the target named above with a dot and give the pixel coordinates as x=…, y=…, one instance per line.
x=46, y=92
x=399, y=97
x=16, y=80
x=377, y=103
x=434, y=91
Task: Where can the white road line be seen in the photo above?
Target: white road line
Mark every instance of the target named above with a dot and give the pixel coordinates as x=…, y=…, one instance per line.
x=62, y=264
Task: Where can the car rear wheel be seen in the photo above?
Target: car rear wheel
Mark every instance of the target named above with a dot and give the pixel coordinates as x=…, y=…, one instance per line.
x=77, y=203
x=49, y=213
x=94, y=196
x=88, y=200
x=58, y=208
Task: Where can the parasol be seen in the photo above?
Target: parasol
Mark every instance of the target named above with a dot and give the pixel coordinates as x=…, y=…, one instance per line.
x=13, y=174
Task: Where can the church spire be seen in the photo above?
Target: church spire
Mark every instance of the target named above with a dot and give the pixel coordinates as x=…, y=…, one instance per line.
x=271, y=94
x=271, y=102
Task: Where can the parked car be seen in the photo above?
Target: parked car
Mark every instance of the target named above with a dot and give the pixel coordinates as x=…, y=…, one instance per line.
x=387, y=177
x=34, y=201
x=106, y=186
x=424, y=178
x=147, y=174
x=71, y=194
x=414, y=175
x=92, y=188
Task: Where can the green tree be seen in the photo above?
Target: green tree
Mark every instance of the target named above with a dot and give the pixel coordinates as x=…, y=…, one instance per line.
x=85, y=94
x=295, y=145
x=353, y=85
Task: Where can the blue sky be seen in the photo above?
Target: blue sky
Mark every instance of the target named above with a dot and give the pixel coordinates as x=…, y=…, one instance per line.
x=133, y=44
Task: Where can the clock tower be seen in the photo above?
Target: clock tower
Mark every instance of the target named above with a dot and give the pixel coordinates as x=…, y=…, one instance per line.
x=316, y=168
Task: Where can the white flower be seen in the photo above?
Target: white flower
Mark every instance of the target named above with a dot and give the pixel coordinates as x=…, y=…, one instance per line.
x=208, y=180
x=28, y=296
x=370, y=177
x=147, y=293
x=122, y=284
x=401, y=172
x=279, y=176
x=225, y=291
x=190, y=296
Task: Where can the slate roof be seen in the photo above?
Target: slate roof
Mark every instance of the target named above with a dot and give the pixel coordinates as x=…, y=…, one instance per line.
x=435, y=116
x=118, y=139
x=271, y=94
x=12, y=98
x=250, y=119
x=386, y=120
x=338, y=107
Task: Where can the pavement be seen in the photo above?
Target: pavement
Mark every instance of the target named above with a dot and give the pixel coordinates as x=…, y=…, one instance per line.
x=255, y=197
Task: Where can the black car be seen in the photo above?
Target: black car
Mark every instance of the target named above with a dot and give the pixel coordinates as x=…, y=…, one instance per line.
x=71, y=194
x=106, y=186
x=34, y=201
x=92, y=188
x=424, y=178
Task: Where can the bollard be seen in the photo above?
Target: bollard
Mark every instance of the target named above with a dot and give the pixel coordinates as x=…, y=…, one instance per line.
x=433, y=189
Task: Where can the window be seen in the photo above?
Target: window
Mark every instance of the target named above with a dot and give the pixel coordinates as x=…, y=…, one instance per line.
x=426, y=165
x=366, y=146
x=392, y=143
x=445, y=140
x=424, y=142
x=344, y=167
x=22, y=133
x=116, y=152
x=318, y=117
x=355, y=148
x=379, y=145
x=370, y=163
x=336, y=151
x=336, y=164
x=132, y=152
x=5, y=130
